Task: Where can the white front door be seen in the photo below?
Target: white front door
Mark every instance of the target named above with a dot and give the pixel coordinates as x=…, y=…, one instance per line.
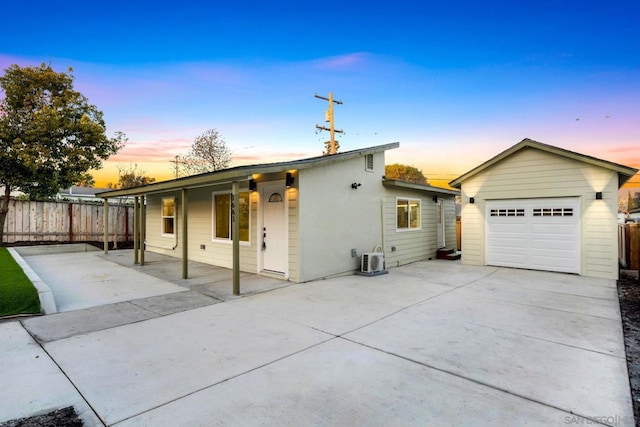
x=274, y=244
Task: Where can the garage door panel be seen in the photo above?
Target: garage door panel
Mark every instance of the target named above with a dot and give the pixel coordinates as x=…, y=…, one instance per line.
x=541, y=234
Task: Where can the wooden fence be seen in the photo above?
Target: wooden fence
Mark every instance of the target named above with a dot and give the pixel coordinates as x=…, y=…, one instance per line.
x=629, y=246
x=31, y=221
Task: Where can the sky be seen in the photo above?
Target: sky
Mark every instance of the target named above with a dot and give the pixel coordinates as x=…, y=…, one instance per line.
x=454, y=82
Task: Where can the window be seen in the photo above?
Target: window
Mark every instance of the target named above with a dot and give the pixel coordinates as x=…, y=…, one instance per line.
x=553, y=212
x=507, y=212
x=407, y=214
x=168, y=216
x=368, y=162
x=222, y=216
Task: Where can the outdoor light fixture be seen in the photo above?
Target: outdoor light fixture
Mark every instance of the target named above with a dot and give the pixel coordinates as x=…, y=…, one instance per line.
x=435, y=199
x=599, y=195
x=472, y=200
x=253, y=185
x=288, y=181
x=355, y=185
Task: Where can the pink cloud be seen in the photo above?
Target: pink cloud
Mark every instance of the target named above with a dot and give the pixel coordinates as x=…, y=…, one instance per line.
x=342, y=61
x=161, y=150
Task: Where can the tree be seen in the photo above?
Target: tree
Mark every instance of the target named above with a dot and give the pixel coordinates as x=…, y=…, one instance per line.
x=130, y=177
x=86, y=180
x=49, y=134
x=404, y=173
x=208, y=153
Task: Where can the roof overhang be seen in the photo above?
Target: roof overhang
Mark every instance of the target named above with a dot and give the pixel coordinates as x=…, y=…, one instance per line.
x=391, y=183
x=242, y=173
x=625, y=173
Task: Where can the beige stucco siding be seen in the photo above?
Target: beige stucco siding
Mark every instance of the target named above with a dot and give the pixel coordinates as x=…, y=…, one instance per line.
x=533, y=173
x=334, y=218
x=407, y=246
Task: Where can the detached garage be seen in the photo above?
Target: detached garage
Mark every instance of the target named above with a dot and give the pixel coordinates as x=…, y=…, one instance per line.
x=541, y=207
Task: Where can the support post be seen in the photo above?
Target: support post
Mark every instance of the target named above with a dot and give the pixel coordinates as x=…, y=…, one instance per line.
x=184, y=229
x=143, y=228
x=106, y=225
x=136, y=228
x=235, y=236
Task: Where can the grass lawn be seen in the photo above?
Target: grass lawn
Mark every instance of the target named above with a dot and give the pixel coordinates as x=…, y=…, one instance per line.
x=17, y=293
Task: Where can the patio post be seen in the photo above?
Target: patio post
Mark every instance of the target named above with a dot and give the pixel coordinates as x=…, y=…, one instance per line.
x=136, y=229
x=185, y=252
x=235, y=236
x=106, y=226
x=143, y=228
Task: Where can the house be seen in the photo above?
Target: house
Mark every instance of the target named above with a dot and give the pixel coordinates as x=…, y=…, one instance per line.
x=536, y=206
x=298, y=220
x=76, y=193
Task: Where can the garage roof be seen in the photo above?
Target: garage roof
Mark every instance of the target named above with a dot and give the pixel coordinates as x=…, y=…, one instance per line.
x=624, y=172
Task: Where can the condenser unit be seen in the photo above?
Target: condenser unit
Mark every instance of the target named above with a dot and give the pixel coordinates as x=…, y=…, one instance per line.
x=372, y=262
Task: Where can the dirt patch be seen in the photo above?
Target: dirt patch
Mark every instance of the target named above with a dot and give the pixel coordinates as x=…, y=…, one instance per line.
x=65, y=417
x=629, y=296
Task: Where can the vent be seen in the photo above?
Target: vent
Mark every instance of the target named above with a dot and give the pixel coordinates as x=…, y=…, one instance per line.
x=368, y=162
x=372, y=262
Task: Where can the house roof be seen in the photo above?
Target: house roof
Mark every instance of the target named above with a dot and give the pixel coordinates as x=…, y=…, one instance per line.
x=243, y=173
x=76, y=190
x=624, y=172
x=422, y=187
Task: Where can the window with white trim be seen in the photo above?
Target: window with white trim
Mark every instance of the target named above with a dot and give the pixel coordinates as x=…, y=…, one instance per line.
x=168, y=216
x=553, y=212
x=408, y=214
x=507, y=212
x=222, y=227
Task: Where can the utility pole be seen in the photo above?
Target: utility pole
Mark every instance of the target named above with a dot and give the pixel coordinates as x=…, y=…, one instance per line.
x=176, y=164
x=332, y=145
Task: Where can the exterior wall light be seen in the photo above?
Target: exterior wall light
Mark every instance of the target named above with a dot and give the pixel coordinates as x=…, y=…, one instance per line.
x=599, y=195
x=435, y=199
x=472, y=200
x=288, y=181
x=253, y=185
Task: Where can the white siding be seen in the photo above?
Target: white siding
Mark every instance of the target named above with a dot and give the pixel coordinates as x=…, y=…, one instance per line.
x=532, y=173
x=200, y=226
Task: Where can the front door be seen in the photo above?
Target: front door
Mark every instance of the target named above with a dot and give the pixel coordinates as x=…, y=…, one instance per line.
x=274, y=245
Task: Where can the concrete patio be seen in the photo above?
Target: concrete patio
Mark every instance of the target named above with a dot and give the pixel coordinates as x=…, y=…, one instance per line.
x=430, y=343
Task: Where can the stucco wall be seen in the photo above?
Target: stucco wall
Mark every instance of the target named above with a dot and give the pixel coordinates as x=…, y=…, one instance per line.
x=533, y=173
x=334, y=218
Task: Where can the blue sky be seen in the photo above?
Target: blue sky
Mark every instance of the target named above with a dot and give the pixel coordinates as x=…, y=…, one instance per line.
x=454, y=82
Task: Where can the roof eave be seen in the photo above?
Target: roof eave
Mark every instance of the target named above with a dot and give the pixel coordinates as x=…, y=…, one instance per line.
x=241, y=173
x=421, y=187
x=624, y=172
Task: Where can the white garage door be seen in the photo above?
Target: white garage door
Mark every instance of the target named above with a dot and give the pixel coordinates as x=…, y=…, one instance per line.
x=538, y=234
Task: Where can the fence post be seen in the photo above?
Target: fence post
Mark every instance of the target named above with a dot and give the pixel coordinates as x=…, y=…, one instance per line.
x=70, y=222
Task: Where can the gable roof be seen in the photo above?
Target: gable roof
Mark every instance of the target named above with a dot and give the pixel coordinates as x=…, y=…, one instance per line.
x=624, y=172
x=243, y=173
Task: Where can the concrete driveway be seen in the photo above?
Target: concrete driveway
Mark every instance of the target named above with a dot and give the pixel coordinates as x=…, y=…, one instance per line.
x=430, y=343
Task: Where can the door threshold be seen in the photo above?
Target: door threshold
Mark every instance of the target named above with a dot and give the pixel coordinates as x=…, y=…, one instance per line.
x=274, y=274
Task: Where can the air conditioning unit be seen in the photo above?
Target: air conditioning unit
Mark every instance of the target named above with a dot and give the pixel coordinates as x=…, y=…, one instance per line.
x=372, y=262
